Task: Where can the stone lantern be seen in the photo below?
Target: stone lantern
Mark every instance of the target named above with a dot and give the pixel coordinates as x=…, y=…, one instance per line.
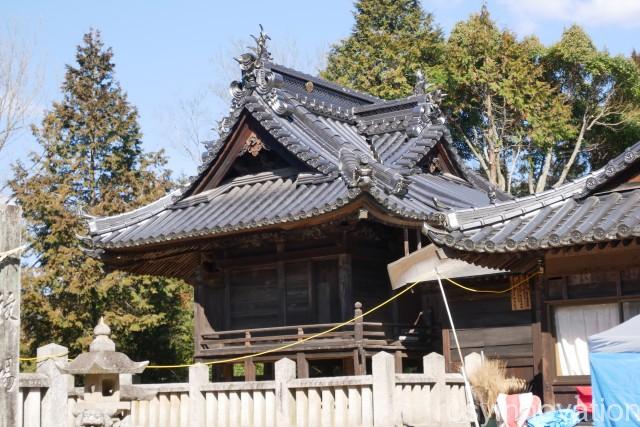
x=102, y=403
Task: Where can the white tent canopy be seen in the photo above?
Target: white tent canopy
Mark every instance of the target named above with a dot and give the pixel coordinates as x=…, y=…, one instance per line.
x=421, y=265
x=624, y=338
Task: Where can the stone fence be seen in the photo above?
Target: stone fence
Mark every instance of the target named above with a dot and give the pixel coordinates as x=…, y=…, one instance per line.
x=384, y=398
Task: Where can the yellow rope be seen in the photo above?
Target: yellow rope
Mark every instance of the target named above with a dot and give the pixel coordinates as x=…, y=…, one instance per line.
x=286, y=346
x=487, y=291
x=39, y=358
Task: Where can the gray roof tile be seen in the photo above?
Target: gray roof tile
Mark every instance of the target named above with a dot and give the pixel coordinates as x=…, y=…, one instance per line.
x=583, y=211
x=354, y=144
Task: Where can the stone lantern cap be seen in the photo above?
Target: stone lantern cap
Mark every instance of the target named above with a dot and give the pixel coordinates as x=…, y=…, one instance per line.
x=103, y=358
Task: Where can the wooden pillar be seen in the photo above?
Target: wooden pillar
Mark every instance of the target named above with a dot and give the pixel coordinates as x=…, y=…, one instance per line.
x=359, y=360
x=418, y=239
x=446, y=349
x=197, y=313
x=10, y=232
x=282, y=290
x=200, y=323
x=249, y=369
x=544, y=355
x=405, y=240
x=536, y=336
x=345, y=285
x=227, y=299
x=302, y=365
x=548, y=368
x=398, y=361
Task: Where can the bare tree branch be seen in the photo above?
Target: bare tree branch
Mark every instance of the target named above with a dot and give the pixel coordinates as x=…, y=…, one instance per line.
x=18, y=85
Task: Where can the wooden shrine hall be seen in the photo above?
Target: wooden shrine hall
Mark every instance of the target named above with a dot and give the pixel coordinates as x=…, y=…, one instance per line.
x=309, y=192
x=583, y=241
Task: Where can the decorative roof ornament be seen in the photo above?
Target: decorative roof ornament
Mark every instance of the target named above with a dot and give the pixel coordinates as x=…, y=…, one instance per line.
x=363, y=174
x=261, y=45
x=428, y=111
x=491, y=194
x=421, y=85
x=402, y=185
x=256, y=76
x=253, y=146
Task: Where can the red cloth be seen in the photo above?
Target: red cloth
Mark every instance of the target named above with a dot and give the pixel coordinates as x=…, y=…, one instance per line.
x=585, y=399
x=514, y=410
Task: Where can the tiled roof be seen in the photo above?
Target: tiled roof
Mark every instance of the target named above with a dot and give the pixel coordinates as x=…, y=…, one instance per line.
x=263, y=200
x=588, y=210
x=356, y=145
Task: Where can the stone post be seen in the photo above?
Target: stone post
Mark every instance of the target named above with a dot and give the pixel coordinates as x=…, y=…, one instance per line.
x=433, y=366
x=9, y=314
x=54, y=410
x=285, y=400
x=198, y=376
x=125, y=379
x=384, y=383
x=472, y=361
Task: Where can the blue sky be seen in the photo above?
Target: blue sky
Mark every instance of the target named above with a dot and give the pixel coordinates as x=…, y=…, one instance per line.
x=170, y=53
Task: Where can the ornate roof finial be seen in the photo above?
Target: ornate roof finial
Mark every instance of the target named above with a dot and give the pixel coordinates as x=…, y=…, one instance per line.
x=257, y=75
x=255, y=59
x=101, y=328
x=261, y=45
x=491, y=193
x=102, y=342
x=421, y=84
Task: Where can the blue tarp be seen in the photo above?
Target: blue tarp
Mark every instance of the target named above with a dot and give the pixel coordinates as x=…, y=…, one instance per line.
x=558, y=418
x=615, y=375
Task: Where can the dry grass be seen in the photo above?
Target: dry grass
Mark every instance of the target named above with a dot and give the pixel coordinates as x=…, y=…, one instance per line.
x=489, y=380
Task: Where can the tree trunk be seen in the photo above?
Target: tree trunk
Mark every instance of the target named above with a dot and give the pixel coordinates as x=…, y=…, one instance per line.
x=491, y=139
x=544, y=173
x=474, y=150
x=530, y=177
x=500, y=174
x=514, y=162
x=574, y=154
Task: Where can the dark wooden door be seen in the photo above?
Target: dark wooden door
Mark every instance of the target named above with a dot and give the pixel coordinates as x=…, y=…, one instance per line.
x=299, y=295
x=254, y=298
x=325, y=278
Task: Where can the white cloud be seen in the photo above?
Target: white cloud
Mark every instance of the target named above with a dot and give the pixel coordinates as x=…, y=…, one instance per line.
x=625, y=13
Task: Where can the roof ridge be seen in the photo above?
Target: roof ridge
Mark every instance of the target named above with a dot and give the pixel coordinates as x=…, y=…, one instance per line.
x=324, y=108
x=613, y=168
x=580, y=187
x=488, y=214
x=327, y=84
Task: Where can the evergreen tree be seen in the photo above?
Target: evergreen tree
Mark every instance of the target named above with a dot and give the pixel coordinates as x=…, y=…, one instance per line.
x=604, y=94
x=507, y=115
x=390, y=41
x=635, y=56
x=93, y=162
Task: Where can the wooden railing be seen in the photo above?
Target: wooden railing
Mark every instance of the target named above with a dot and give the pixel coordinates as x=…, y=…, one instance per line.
x=359, y=334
